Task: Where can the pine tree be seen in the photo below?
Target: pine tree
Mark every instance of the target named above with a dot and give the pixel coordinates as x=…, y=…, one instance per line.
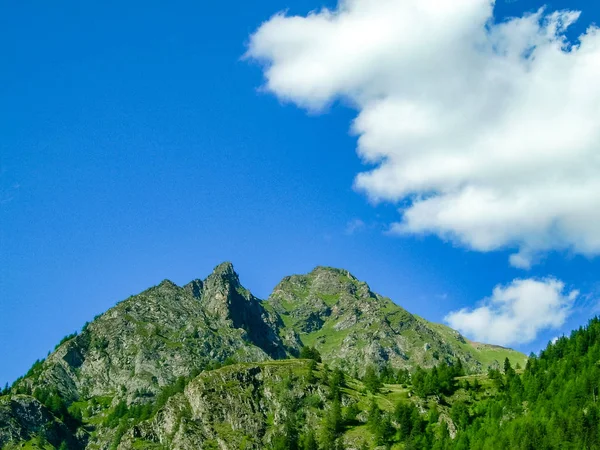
x=332, y=425
x=335, y=416
x=374, y=415
x=371, y=380
x=310, y=353
x=310, y=377
x=507, y=367
x=309, y=442
x=351, y=412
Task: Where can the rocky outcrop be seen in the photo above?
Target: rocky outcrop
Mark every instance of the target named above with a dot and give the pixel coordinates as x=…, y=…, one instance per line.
x=23, y=417
x=225, y=299
x=239, y=406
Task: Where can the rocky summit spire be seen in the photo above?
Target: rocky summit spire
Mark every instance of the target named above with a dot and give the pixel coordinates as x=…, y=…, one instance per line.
x=222, y=274
x=225, y=269
x=224, y=298
x=222, y=290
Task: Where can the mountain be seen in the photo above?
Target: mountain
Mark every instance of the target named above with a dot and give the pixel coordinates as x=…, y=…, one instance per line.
x=353, y=327
x=147, y=373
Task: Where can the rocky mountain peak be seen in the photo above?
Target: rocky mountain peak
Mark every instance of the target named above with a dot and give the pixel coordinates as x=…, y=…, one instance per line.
x=226, y=270
x=332, y=279
x=225, y=299
x=331, y=271
x=323, y=286
x=167, y=284
x=166, y=289
x=222, y=291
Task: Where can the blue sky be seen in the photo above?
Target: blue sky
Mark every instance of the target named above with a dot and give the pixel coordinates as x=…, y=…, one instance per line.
x=137, y=146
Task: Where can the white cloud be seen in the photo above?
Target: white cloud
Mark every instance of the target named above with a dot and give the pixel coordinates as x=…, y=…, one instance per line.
x=489, y=132
x=515, y=313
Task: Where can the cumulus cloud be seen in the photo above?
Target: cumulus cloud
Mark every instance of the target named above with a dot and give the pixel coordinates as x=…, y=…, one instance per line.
x=516, y=313
x=488, y=132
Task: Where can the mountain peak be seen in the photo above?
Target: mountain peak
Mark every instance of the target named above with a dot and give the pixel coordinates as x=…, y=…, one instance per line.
x=328, y=270
x=221, y=282
x=167, y=283
x=225, y=269
x=222, y=278
x=322, y=281
x=225, y=299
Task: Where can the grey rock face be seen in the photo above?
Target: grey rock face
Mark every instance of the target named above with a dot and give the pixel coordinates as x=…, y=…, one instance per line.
x=229, y=408
x=23, y=417
x=225, y=299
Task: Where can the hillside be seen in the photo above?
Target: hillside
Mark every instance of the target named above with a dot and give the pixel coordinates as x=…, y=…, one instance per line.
x=352, y=326
x=147, y=373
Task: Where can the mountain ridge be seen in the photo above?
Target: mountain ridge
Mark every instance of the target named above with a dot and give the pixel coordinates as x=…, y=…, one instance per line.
x=135, y=350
